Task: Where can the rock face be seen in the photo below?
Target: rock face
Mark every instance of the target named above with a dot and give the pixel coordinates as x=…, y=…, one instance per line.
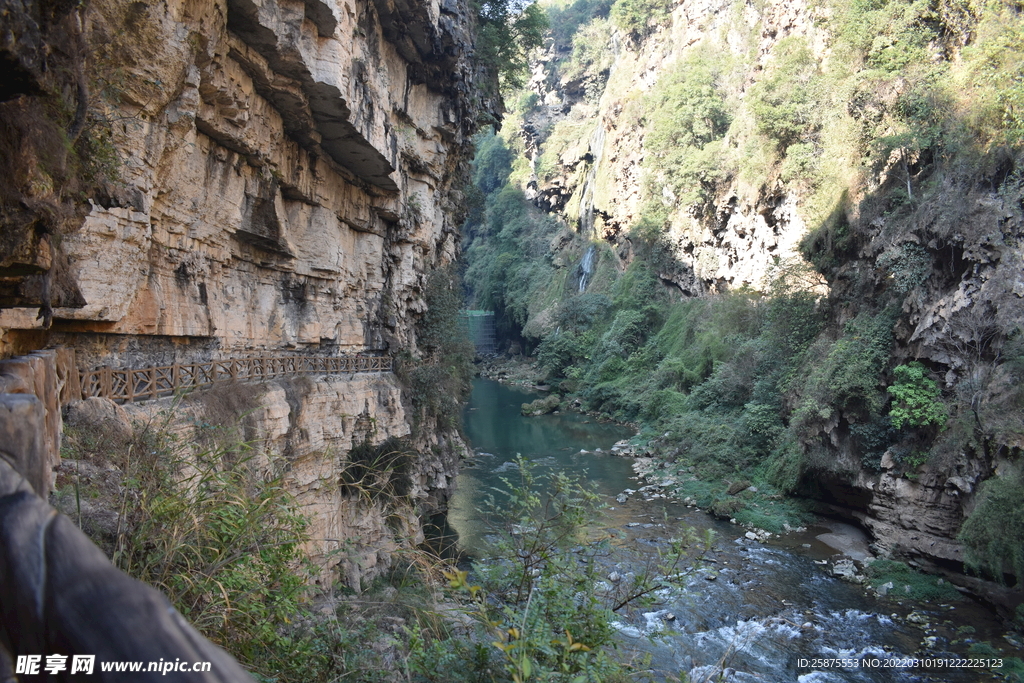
x=598, y=179
x=304, y=429
x=279, y=175
x=286, y=172
x=32, y=390
x=950, y=264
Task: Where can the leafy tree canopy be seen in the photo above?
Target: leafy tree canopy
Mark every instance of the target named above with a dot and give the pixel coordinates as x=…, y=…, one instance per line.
x=509, y=31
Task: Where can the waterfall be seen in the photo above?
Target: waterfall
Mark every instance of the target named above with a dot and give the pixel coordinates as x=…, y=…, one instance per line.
x=587, y=200
x=587, y=267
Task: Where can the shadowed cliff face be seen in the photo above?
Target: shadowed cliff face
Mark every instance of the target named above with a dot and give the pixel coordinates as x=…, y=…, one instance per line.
x=46, y=151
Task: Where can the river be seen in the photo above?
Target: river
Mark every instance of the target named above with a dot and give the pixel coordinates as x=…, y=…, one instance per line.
x=756, y=609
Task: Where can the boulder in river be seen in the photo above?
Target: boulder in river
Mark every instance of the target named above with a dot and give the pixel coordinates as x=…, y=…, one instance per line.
x=542, y=406
x=846, y=570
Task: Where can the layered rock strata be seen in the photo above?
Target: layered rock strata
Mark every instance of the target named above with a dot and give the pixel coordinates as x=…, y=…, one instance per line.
x=279, y=175
x=286, y=172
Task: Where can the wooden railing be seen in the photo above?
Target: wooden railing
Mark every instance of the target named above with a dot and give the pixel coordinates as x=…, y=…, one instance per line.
x=164, y=380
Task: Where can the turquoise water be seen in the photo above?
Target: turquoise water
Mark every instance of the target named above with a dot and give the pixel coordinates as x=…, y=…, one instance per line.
x=498, y=432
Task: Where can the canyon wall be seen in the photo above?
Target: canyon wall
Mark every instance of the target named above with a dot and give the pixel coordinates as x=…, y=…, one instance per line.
x=302, y=429
x=281, y=175
x=244, y=177
x=773, y=148
x=594, y=175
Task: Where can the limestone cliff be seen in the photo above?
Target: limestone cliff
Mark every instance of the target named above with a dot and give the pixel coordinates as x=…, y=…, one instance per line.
x=238, y=177
x=303, y=430
x=284, y=173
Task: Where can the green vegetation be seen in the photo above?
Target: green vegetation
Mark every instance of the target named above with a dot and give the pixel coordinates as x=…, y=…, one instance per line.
x=220, y=537
x=568, y=18
x=993, y=535
x=1013, y=669
x=785, y=104
x=685, y=119
x=506, y=245
x=909, y=583
x=870, y=125
x=591, y=59
x=536, y=602
x=637, y=18
x=916, y=399
x=224, y=546
x=506, y=34
x=439, y=380
x=542, y=406
x=225, y=542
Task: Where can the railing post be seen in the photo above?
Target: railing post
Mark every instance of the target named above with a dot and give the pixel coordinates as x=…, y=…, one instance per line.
x=106, y=382
x=152, y=381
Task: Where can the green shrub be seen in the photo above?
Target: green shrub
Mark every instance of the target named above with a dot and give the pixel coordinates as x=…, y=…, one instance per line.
x=591, y=58
x=224, y=544
x=562, y=350
x=872, y=439
x=891, y=34
x=492, y=163
x=571, y=133
x=439, y=380
x=845, y=375
x=567, y=18
x=638, y=18
x=908, y=264
x=578, y=313
x=916, y=398
x=801, y=162
x=506, y=34
x=1012, y=669
x=993, y=534
x=784, y=468
x=536, y=602
x=982, y=649
x=910, y=583
x=785, y=103
x=687, y=117
x=541, y=406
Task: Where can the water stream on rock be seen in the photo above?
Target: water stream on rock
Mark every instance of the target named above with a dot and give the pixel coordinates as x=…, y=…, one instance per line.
x=757, y=607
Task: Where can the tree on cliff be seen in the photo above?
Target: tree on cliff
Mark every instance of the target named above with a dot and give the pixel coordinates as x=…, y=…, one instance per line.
x=509, y=31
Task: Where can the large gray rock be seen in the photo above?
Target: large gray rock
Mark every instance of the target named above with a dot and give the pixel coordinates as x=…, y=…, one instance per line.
x=60, y=594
